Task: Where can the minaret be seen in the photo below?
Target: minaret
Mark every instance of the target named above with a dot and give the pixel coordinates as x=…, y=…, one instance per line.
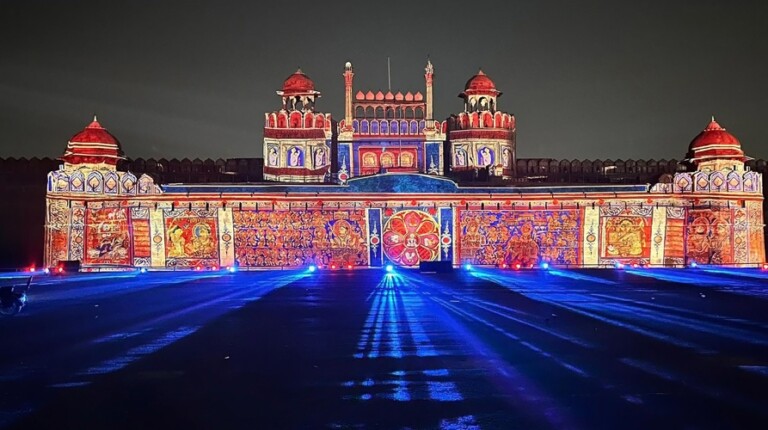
x=348, y=76
x=429, y=73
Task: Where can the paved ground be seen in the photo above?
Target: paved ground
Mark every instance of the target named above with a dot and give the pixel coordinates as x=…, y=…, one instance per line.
x=486, y=349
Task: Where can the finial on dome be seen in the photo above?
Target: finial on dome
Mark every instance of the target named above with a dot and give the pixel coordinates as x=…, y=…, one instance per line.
x=95, y=119
x=480, y=71
x=298, y=70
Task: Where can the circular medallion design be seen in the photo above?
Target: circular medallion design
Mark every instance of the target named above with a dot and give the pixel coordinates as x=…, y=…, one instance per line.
x=411, y=236
x=591, y=237
x=226, y=237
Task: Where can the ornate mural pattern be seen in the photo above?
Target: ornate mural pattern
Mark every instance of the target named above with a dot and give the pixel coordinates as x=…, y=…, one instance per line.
x=299, y=237
x=709, y=236
x=519, y=237
x=191, y=238
x=107, y=237
x=411, y=236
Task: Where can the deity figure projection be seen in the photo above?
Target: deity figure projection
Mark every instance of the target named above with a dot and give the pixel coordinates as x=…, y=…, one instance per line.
x=485, y=156
x=626, y=240
x=319, y=157
x=461, y=157
x=177, y=241
x=272, y=158
x=505, y=156
x=202, y=244
x=294, y=158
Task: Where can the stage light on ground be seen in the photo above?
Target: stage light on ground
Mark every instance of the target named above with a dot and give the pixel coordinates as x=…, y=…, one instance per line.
x=503, y=265
x=390, y=268
x=47, y=270
x=232, y=269
x=467, y=266
x=349, y=266
x=60, y=269
x=312, y=268
x=215, y=268
x=31, y=269
x=545, y=265
x=619, y=265
x=143, y=270
x=333, y=267
x=198, y=268
x=694, y=265
x=765, y=266
x=635, y=265
x=517, y=266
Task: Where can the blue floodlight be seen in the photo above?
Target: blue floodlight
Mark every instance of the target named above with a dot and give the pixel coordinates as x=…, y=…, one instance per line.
x=390, y=268
x=143, y=270
x=694, y=265
x=467, y=266
x=312, y=268
x=545, y=265
x=619, y=265
x=232, y=269
x=46, y=270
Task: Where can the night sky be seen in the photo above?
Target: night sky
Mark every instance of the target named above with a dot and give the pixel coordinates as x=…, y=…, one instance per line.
x=174, y=79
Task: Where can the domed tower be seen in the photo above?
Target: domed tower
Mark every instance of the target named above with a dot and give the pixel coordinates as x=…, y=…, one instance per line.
x=94, y=146
x=482, y=137
x=297, y=139
x=715, y=149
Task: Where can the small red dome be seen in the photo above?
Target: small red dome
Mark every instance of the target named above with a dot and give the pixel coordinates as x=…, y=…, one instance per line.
x=715, y=143
x=94, y=133
x=93, y=145
x=298, y=83
x=480, y=82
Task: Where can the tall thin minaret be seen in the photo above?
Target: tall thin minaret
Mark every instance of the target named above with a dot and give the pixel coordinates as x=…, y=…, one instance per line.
x=348, y=75
x=429, y=73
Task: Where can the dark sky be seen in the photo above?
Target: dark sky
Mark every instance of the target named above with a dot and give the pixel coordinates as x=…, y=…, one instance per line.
x=590, y=79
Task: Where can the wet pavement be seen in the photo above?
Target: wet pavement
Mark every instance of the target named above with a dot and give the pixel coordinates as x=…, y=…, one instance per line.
x=479, y=349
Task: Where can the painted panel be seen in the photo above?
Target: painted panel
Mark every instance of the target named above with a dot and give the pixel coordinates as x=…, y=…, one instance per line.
x=524, y=237
x=756, y=232
x=591, y=236
x=300, y=237
x=410, y=237
x=446, y=234
x=191, y=238
x=625, y=233
x=659, y=234
x=157, y=232
x=226, y=237
x=375, y=251
x=76, y=234
x=674, y=243
x=107, y=237
x=58, y=231
x=709, y=236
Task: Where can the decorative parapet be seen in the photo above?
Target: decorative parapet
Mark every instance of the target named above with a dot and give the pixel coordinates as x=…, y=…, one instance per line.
x=100, y=182
x=721, y=181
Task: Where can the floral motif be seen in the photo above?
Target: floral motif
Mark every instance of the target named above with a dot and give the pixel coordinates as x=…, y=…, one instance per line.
x=411, y=236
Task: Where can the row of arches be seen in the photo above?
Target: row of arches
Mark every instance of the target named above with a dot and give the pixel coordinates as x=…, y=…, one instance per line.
x=296, y=119
x=465, y=121
x=379, y=111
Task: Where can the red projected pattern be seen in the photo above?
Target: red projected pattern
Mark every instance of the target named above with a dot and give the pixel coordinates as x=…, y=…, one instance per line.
x=411, y=236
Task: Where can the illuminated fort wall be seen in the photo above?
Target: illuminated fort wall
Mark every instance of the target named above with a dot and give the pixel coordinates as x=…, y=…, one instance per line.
x=112, y=219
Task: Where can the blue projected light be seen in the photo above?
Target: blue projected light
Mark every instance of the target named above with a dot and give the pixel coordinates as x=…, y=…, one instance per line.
x=545, y=265
x=312, y=268
x=694, y=265
x=232, y=269
x=467, y=266
x=143, y=270
x=390, y=268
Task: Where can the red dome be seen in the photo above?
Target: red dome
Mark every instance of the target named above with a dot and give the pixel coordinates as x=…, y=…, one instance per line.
x=94, y=133
x=480, y=82
x=298, y=83
x=715, y=143
x=93, y=145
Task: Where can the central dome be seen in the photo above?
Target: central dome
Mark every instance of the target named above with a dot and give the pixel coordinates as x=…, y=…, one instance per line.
x=480, y=82
x=715, y=143
x=298, y=83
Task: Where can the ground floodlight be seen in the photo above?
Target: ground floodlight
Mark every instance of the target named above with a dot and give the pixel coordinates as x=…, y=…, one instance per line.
x=390, y=268
x=694, y=265
x=312, y=268
x=545, y=265
x=467, y=266
x=764, y=266
x=232, y=269
x=47, y=270
x=143, y=270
